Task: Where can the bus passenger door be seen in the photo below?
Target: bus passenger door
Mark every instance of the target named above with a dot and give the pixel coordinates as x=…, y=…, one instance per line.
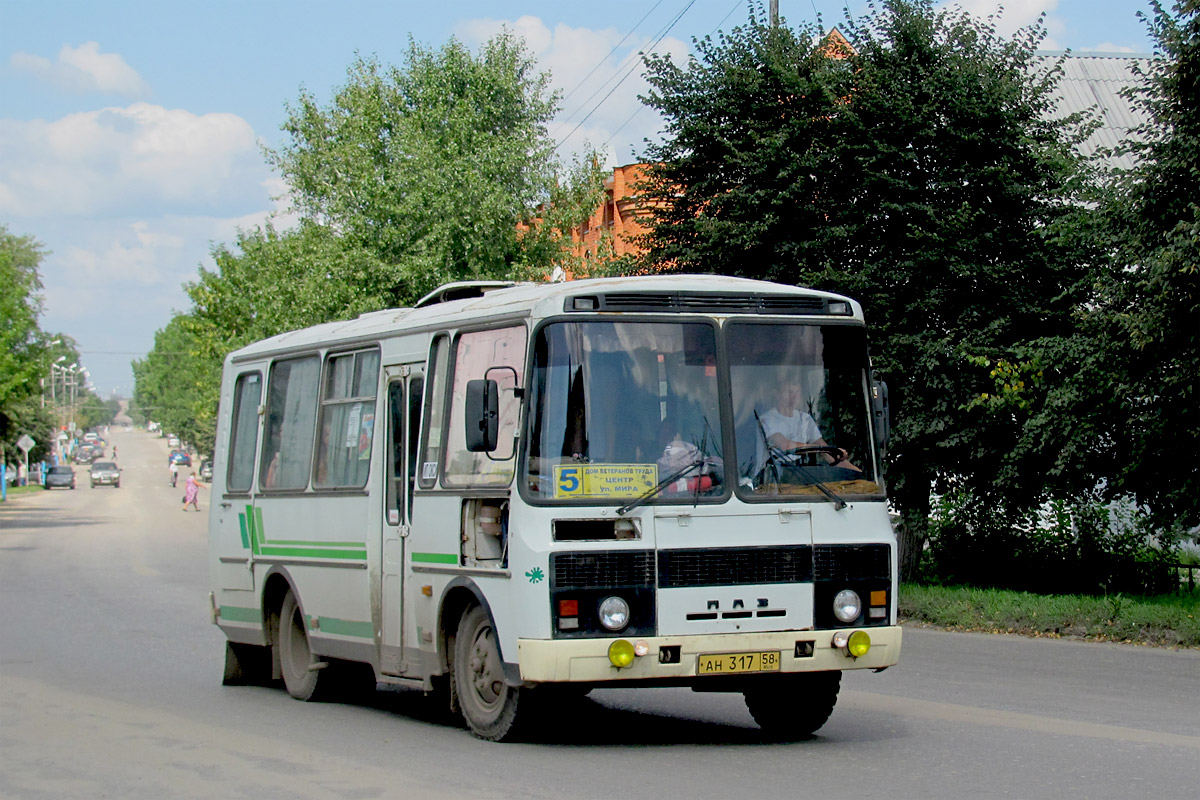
x=404, y=393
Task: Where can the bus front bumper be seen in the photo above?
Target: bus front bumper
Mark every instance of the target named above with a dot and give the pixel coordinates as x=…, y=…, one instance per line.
x=675, y=658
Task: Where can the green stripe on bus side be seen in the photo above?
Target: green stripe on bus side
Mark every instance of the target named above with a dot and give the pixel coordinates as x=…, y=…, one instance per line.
x=346, y=627
x=239, y=614
x=252, y=528
x=253, y=536
x=311, y=543
x=313, y=552
x=259, y=527
x=435, y=558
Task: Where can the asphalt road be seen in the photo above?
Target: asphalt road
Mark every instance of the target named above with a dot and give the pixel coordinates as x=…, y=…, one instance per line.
x=110, y=687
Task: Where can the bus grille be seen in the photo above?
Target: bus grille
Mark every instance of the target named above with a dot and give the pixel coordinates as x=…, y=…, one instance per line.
x=734, y=567
x=588, y=569
x=846, y=562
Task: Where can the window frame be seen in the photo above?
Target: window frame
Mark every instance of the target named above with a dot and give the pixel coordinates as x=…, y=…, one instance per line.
x=236, y=410
x=328, y=405
x=265, y=440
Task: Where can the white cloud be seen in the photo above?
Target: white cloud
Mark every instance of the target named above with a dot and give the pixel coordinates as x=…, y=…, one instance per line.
x=84, y=69
x=141, y=156
x=1014, y=14
x=600, y=77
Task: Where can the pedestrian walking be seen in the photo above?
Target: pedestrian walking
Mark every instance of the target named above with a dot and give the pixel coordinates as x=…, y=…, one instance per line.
x=174, y=473
x=191, y=493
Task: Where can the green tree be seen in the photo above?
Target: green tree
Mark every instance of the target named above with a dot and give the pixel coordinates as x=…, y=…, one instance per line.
x=177, y=383
x=921, y=176
x=23, y=355
x=436, y=171
x=1155, y=305
x=430, y=166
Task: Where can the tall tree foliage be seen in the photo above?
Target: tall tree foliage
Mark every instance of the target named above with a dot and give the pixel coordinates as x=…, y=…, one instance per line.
x=431, y=165
x=1155, y=219
x=23, y=355
x=22, y=349
x=178, y=382
x=438, y=170
x=920, y=176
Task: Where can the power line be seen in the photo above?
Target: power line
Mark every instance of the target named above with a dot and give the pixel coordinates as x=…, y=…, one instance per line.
x=629, y=72
x=642, y=108
x=610, y=52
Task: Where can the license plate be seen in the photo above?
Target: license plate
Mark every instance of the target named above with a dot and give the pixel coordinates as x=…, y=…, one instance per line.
x=736, y=663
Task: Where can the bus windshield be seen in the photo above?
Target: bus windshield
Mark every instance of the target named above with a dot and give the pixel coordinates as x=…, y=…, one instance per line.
x=800, y=410
x=618, y=406
x=630, y=411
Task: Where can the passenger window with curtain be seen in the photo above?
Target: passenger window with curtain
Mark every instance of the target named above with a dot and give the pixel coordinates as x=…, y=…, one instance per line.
x=291, y=421
x=347, y=420
x=247, y=394
x=436, y=403
x=498, y=355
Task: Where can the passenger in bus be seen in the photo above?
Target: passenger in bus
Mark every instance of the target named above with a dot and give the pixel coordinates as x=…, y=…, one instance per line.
x=272, y=472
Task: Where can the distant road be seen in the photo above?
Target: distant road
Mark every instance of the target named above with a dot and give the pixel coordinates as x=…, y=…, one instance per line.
x=110, y=686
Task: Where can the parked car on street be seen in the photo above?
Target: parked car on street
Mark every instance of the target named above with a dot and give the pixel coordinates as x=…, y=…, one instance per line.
x=180, y=457
x=172, y=441
x=105, y=472
x=206, y=468
x=61, y=476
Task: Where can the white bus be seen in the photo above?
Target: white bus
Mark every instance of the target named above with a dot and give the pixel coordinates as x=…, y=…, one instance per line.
x=513, y=490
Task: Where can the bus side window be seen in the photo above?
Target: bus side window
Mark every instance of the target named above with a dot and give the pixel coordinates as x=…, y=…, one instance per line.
x=347, y=420
x=291, y=421
x=395, y=453
x=416, y=390
x=247, y=394
x=435, y=401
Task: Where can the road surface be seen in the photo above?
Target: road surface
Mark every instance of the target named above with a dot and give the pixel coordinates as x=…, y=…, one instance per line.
x=110, y=686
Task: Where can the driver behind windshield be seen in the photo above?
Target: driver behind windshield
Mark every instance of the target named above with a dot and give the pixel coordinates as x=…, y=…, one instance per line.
x=787, y=428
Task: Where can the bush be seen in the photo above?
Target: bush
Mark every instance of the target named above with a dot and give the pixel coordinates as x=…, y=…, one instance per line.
x=1061, y=548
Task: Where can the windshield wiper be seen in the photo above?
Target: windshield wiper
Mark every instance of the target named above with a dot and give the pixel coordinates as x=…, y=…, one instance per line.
x=664, y=483
x=774, y=453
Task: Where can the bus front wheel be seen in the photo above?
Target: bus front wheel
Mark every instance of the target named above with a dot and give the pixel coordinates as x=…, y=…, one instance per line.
x=301, y=672
x=794, y=706
x=488, y=704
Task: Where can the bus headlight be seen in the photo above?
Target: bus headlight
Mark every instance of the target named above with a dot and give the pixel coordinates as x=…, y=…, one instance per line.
x=847, y=605
x=614, y=613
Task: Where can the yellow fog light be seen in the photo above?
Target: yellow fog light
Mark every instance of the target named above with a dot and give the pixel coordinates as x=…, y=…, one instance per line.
x=620, y=653
x=858, y=644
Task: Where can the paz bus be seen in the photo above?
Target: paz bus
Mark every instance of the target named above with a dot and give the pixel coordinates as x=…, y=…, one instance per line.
x=514, y=491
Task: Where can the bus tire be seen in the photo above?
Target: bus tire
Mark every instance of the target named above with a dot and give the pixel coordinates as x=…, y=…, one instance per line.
x=489, y=705
x=794, y=706
x=301, y=671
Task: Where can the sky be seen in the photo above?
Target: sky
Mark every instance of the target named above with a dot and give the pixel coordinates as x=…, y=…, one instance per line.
x=132, y=133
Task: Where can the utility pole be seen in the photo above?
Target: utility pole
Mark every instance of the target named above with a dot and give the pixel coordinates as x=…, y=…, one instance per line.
x=774, y=13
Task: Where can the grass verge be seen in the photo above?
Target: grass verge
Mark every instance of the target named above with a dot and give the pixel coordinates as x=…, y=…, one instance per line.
x=1165, y=621
x=12, y=490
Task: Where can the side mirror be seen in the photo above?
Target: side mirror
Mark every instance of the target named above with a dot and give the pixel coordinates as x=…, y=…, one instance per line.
x=482, y=416
x=881, y=412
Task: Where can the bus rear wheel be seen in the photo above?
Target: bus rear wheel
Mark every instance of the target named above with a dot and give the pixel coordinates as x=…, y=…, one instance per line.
x=488, y=704
x=301, y=671
x=795, y=706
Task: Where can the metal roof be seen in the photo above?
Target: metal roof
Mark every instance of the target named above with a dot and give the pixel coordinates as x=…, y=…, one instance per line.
x=1095, y=82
